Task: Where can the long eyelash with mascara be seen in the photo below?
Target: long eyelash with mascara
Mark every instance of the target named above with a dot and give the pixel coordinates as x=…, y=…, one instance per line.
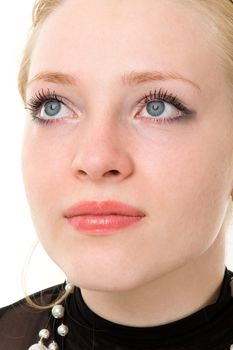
x=164, y=96
x=35, y=103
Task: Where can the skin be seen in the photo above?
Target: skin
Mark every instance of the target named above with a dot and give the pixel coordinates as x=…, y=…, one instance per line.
x=179, y=174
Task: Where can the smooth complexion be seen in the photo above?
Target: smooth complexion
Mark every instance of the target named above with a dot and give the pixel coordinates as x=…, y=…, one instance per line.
x=179, y=174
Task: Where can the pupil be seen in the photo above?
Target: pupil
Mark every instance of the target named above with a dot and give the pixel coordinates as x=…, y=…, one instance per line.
x=52, y=108
x=155, y=108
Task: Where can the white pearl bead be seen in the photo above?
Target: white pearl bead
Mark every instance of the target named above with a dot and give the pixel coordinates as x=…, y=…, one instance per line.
x=62, y=330
x=69, y=287
x=44, y=334
x=53, y=346
x=58, y=311
x=38, y=346
x=231, y=347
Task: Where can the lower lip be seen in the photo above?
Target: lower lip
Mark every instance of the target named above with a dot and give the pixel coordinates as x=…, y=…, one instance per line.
x=102, y=224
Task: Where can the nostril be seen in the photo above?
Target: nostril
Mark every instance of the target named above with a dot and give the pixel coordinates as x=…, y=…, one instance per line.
x=112, y=172
x=81, y=172
x=109, y=173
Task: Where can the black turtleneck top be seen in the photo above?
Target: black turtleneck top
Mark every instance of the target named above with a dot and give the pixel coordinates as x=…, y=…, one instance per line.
x=208, y=329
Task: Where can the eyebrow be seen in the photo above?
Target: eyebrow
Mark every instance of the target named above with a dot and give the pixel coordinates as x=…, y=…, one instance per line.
x=54, y=77
x=135, y=78
x=130, y=79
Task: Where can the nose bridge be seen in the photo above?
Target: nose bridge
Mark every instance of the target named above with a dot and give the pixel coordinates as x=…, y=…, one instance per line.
x=101, y=151
x=102, y=129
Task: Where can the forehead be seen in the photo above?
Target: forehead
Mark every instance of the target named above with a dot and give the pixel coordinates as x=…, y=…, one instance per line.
x=111, y=36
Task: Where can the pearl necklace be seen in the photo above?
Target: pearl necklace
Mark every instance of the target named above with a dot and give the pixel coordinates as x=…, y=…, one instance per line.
x=58, y=312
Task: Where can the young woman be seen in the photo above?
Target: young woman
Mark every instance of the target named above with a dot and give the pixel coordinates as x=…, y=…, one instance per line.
x=128, y=168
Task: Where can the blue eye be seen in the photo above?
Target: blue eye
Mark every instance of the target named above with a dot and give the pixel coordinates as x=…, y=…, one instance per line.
x=47, y=107
x=155, y=108
x=159, y=111
x=52, y=108
x=161, y=107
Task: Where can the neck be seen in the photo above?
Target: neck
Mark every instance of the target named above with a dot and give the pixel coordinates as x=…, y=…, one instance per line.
x=173, y=296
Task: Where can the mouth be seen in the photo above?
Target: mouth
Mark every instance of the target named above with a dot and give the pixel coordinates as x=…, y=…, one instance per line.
x=102, y=217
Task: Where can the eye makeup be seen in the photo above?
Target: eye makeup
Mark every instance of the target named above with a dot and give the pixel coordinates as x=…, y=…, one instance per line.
x=178, y=110
x=171, y=107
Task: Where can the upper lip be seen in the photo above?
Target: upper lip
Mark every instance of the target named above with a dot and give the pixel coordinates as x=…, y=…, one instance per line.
x=109, y=207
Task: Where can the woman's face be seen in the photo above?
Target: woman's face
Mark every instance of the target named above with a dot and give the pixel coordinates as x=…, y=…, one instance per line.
x=110, y=146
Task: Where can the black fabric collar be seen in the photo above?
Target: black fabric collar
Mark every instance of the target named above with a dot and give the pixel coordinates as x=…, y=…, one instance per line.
x=200, y=326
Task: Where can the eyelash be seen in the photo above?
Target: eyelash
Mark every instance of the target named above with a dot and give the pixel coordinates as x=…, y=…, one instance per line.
x=36, y=102
x=41, y=97
x=164, y=96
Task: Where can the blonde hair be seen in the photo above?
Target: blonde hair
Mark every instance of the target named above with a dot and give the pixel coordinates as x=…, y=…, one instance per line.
x=220, y=25
x=62, y=291
x=41, y=10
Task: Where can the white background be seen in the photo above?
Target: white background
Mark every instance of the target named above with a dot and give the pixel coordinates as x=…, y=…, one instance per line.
x=17, y=233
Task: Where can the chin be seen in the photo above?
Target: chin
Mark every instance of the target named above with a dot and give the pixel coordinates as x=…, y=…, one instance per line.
x=104, y=279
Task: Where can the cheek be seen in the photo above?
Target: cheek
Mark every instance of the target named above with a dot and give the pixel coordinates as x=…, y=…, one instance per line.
x=44, y=156
x=45, y=166
x=188, y=183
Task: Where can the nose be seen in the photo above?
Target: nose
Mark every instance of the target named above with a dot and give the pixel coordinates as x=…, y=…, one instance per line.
x=102, y=155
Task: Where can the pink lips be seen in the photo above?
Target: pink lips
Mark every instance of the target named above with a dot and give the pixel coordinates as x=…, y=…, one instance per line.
x=101, y=218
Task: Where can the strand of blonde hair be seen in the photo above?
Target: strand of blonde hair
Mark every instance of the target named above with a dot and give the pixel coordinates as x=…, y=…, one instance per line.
x=59, y=300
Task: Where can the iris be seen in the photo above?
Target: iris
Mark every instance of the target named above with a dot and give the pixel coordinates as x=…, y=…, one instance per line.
x=52, y=108
x=155, y=108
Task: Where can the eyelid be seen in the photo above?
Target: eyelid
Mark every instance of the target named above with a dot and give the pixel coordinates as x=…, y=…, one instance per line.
x=165, y=96
x=42, y=96
x=36, y=102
